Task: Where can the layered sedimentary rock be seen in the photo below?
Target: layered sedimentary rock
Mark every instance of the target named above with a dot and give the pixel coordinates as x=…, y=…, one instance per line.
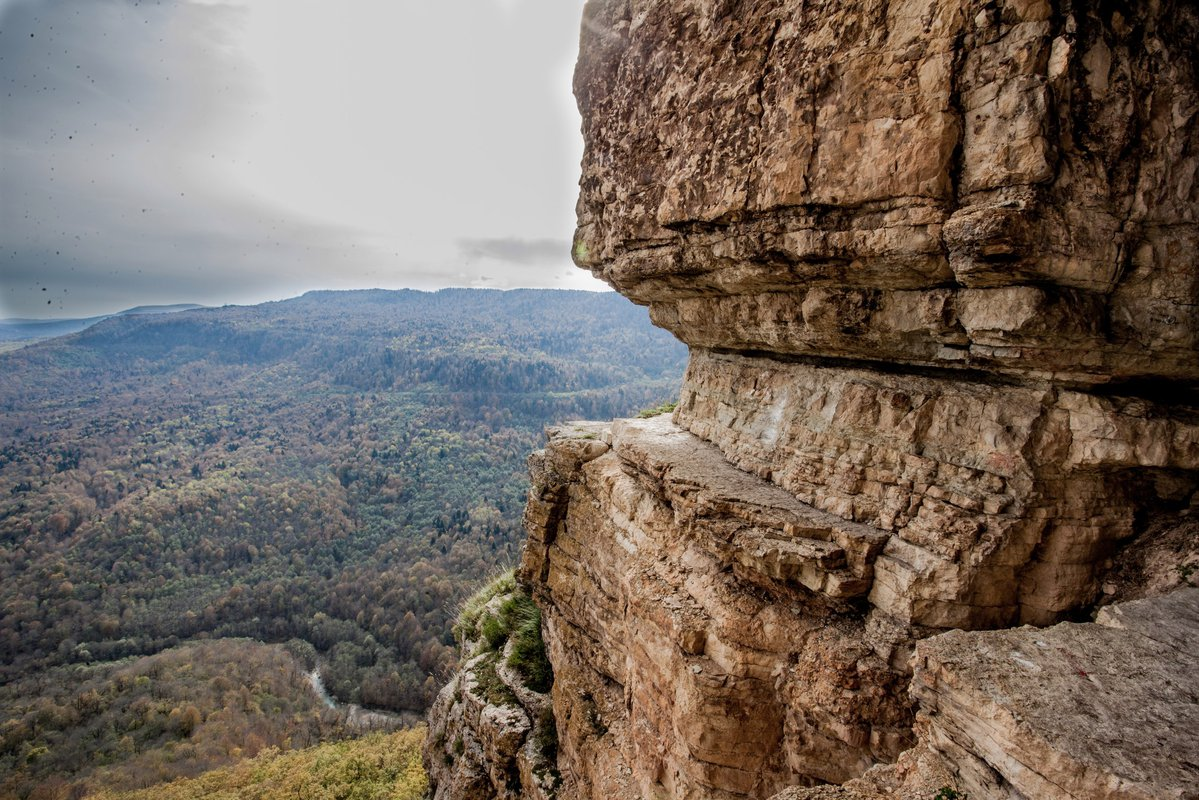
x=936, y=265
x=699, y=620
x=1003, y=502
x=1007, y=186
x=1101, y=710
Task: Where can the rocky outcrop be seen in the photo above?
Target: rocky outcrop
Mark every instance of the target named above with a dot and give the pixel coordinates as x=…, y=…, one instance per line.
x=491, y=734
x=1007, y=186
x=1002, y=502
x=700, y=622
x=936, y=266
x=1103, y=711
x=715, y=636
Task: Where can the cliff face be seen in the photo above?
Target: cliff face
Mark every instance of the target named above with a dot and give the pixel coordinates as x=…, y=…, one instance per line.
x=1003, y=186
x=936, y=265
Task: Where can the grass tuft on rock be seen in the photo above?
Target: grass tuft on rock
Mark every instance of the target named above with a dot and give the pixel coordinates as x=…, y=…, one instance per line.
x=515, y=620
x=527, y=655
x=466, y=629
x=665, y=408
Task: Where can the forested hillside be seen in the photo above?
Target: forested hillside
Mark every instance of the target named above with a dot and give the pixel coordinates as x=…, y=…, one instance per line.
x=376, y=767
x=341, y=469
x=136, y=722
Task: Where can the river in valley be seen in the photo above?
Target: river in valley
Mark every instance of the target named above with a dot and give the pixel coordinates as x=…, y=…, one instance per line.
x=362, y=719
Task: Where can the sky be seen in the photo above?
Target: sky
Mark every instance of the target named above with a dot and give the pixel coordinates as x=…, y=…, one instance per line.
x=235, y=151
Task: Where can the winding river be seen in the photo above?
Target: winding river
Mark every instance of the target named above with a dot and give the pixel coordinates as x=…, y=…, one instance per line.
x=358, y=718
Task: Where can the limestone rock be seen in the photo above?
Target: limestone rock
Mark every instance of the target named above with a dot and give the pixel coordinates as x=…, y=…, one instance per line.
x=702, y=628
x=1162, y=559
x=1095, y=711
x=935, y=261
x=1007, y=186
x=1004, y=502
x=1074, y=712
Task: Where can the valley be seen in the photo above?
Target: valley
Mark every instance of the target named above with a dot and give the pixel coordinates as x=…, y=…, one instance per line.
x=332, y=474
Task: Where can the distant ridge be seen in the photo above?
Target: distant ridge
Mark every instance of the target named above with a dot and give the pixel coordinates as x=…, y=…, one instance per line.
x=20, y=329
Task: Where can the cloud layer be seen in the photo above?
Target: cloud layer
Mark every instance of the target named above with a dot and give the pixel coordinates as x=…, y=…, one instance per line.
x=230, y=152
x=526, y=252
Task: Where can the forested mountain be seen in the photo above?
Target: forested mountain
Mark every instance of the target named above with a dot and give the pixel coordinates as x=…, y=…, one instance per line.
x=341, y=468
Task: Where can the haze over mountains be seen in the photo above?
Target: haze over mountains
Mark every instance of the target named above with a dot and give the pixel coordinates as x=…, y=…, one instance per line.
x=24, y=329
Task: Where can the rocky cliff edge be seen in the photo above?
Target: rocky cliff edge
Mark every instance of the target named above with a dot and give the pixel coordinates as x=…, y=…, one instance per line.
x=936, y=265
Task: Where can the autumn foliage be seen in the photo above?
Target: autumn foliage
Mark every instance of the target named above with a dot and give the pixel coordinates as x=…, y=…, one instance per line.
x=338, y=471
x=375, y=767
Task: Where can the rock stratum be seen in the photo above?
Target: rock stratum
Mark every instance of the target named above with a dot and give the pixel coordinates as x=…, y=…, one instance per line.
x=936, y=264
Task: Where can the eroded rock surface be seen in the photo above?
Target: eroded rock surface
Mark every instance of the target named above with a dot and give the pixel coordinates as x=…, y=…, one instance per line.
x=702, y=622
x=999, y=185
x=1100, y=710
x=1003, y=502
x=936, y=265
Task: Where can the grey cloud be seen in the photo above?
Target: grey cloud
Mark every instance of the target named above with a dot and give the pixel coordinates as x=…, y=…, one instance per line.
x=114, y=187
x=517, y=251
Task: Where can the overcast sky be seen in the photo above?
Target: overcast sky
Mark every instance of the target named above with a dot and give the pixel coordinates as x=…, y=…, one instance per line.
x=244, y=150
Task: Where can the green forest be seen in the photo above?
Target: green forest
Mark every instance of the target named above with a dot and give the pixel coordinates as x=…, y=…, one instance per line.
x=335, y=472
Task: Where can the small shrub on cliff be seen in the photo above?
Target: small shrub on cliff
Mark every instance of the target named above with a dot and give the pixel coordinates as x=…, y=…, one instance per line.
x=494, y=632
x=949, y=793
x=512, y=615
x=519, y=619
x=493, y=690
x=516, y=620
x=665, y=408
